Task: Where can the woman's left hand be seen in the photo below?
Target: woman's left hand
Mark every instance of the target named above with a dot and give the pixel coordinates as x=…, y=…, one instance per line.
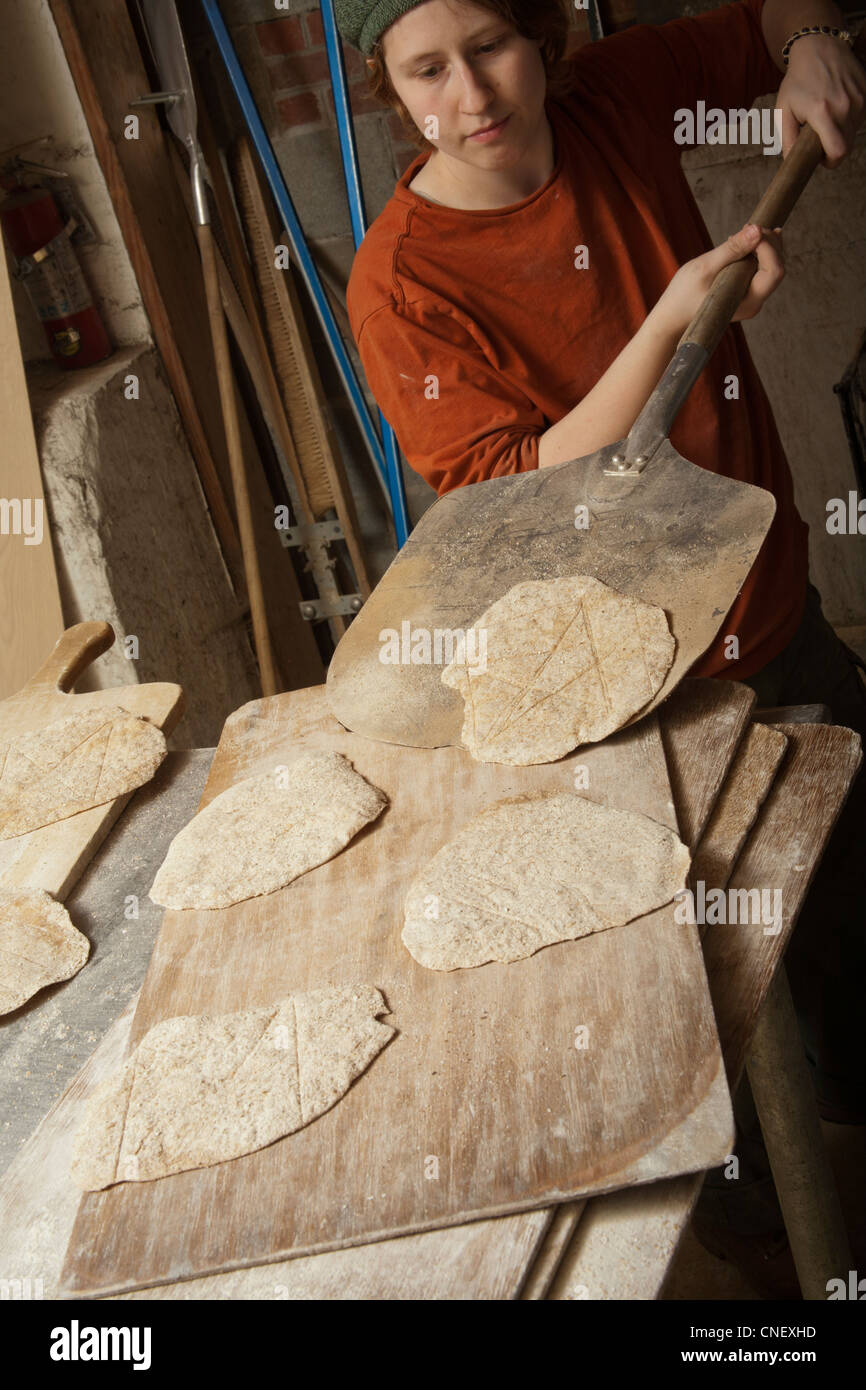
x=824, y=87
x=688, y=288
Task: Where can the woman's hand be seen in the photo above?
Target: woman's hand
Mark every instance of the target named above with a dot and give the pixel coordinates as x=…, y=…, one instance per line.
x=824, y=87
x=690, y=285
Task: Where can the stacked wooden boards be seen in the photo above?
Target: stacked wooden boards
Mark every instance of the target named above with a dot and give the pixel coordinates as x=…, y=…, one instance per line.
x=483, y=1104
x=625, y=1240
x=53, y=856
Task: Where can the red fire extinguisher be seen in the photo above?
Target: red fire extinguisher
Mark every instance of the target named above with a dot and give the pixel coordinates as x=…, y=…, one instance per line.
x=48, y=268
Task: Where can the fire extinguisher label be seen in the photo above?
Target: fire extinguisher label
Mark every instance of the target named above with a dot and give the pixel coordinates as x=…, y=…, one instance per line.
x=55, y=285
x=67, y=342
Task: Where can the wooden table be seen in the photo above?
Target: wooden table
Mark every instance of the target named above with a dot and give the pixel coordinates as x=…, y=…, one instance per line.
x=617, y=1246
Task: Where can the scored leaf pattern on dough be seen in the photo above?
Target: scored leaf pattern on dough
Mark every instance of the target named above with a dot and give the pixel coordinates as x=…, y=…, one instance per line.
x=83, y=760
x=568, y=661
x=202, y=1090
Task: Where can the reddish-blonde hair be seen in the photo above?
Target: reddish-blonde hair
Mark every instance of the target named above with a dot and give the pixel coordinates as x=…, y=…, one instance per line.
x=547, y=20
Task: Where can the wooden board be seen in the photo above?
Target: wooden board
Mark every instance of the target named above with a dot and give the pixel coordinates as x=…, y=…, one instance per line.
x=626, y=1243
x=484, y=1074
x=782, y=854
x=736, y=809
x=53, y=856
x=482, y=1260
x=698, y=711
x=326, y=482
x=30, y=615
x=435, y=1265
x=624, y=1248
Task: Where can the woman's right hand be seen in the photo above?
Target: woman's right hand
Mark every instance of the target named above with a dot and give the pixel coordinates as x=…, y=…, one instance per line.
x=689, y=287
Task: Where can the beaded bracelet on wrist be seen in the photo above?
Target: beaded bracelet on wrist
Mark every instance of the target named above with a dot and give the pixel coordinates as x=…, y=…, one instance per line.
x=815, y=29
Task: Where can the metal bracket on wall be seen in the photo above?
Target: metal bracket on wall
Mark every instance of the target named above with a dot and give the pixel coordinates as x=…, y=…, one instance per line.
x=158, y=99
x=313, y=609
x=313, y=540
x=318, y=531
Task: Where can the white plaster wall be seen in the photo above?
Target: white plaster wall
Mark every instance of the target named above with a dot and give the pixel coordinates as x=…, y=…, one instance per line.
x=133, y=541
x=40, y=104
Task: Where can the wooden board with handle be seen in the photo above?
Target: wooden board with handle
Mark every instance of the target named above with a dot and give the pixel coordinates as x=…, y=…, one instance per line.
x=484, y=1075
x=53, y=856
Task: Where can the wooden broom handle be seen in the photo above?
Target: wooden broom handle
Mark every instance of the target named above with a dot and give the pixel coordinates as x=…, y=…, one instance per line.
x=229, y=405
x=731, y=284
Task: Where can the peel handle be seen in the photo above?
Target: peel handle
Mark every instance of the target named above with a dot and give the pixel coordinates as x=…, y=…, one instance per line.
x=773, y=210
x=702, y=336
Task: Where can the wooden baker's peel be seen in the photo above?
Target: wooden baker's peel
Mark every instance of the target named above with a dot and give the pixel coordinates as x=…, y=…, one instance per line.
x=54, y=856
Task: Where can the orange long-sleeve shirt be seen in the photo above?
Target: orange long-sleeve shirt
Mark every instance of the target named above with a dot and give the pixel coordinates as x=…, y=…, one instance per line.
x=491, y=305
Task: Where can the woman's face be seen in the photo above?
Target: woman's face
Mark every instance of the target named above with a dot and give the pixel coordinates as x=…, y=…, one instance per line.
x=459, y=69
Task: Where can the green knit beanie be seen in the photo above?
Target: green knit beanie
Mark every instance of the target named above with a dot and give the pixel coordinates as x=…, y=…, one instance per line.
x=362, y=22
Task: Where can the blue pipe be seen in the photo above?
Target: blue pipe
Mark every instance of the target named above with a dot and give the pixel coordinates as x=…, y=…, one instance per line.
x=283, y=200
x=357, y=212
x=348, y=150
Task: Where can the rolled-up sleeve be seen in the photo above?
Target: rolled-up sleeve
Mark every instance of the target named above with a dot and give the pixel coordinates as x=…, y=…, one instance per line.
x=457, y=416
x=719, y=58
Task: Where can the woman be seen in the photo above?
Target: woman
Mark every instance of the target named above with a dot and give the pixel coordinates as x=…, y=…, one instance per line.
x=519, y=296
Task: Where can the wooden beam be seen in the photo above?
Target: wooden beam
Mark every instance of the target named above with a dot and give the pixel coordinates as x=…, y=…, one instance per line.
x=30, y=615
x=299, y=661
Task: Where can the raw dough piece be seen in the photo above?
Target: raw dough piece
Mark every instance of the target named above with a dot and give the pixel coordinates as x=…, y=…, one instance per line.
x=531, y=871
x=79, y=761
x=198, y=1091
x=38, y=945
x=568, y=661
x=260, y=834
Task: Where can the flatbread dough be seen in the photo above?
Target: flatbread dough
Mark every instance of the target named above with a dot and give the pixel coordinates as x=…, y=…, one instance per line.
x=531, y=871
x=199, y=1091
x=38, y=945
x=265, y=831
x=568, y=661
x=79, y=761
